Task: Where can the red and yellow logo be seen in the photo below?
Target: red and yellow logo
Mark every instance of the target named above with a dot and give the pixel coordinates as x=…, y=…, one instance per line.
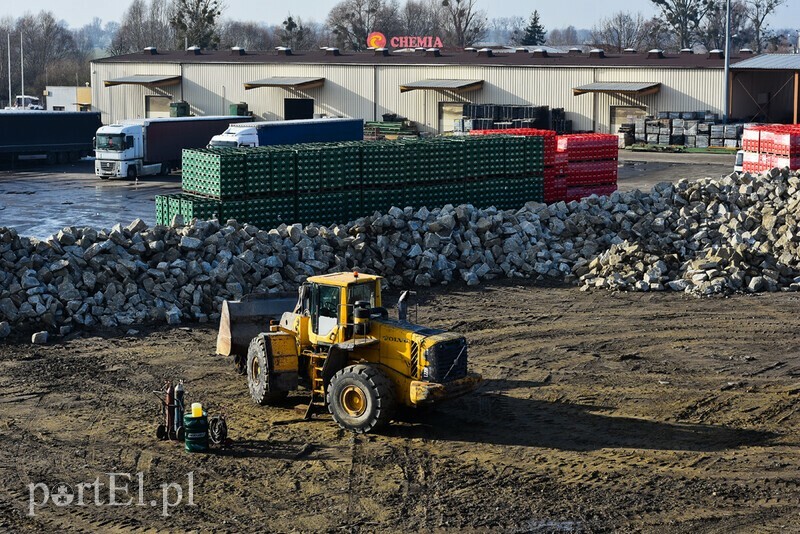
x=376, y=40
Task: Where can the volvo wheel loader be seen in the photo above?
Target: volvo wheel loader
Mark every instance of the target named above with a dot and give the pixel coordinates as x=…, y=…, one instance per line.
x=339, y=343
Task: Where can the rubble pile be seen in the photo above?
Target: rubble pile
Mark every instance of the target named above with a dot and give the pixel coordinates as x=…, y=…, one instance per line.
x=735, y=234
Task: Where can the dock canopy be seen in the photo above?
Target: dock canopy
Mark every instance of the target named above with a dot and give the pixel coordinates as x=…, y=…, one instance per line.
x=457, y=86
x=625, y=88
x=286, y=83
x=155, y=80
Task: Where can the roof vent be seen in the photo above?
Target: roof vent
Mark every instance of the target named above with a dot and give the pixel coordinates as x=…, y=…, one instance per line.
x=746, y=52
x=331, y=51
x=485, y=52
x=193, y=51
x=630, y=50
x=150, y=51
x=521, y=50
x=686, y=51
x=575, y=51
x=433, y=52
x=283, y=50
x=539, y=52
x=382, y=52
x=469, y=49
x=238, y=51
x=597, y=53
x=655, y=53
x=716, y=54
x=420, y=50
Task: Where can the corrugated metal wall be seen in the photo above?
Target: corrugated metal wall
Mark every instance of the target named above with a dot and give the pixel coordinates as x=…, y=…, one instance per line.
x=368, y=91
x=127, y=101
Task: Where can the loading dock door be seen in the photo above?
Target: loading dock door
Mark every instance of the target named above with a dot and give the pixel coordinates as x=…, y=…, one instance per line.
x=156, y=106
x=625, y=115
x=298, y=108
x=449, y=112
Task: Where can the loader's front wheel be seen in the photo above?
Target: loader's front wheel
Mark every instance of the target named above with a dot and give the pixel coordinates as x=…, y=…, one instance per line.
x=361, y=398
x=258, y=374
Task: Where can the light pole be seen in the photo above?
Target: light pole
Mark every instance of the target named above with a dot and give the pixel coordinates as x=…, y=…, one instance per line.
x=726, y=85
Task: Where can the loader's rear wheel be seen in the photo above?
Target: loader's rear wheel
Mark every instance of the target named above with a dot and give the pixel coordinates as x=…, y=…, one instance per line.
x=258, y=374
x=361, y=398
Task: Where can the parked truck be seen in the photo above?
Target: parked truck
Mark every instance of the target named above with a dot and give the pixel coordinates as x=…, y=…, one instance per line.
x=290, y=132
x=145, y=147
x=51, y=136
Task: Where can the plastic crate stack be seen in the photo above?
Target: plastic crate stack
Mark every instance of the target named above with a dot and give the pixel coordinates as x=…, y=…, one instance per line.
x=769, y=146
x=591, y=164
x=528, y=153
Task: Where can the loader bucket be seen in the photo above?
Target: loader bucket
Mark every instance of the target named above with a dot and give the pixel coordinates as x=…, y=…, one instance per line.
x=242, y=320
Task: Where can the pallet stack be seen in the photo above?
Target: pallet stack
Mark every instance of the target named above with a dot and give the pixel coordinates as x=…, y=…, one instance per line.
x=771, y=146
x=591, y=164
x=336, y=182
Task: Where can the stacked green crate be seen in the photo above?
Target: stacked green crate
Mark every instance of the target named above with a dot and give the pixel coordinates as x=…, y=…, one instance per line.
x=200, y=208
x=162, y=209
x=309, y=167
x=488, y=192
x=234, y=209
x=174, y=206
x=259, y=180
x=515, y=155
x=218, y=173
x=324, y=208
x=384, y=164
x=352, y=156
x=534, y=161
x=383, y=199
x=283, y=161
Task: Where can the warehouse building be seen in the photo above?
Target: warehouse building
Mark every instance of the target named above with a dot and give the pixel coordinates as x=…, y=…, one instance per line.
x=598, y=91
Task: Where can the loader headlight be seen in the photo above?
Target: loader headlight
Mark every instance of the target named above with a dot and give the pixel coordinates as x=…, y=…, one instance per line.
x=427, y=372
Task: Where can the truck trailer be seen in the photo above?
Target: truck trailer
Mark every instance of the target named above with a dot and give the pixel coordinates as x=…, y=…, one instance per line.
x=52, y=136
x=145, y=147
x=290, y=132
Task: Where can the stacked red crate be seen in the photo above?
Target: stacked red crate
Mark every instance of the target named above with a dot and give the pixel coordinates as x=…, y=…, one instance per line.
x=769, y=146
x=592, y=164
x=555, y=179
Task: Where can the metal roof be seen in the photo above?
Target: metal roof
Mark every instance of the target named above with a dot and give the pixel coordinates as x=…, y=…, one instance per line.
x=286, y=82
x=145, y=79
x=447, y=57
x=632, y=88
x=458, y=86
x=770, y=62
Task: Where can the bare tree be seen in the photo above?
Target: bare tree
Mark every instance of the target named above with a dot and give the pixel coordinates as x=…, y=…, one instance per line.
x=711, y=33
x=195, y=22
x=618, y=32
x=757, y=13
x=657, y=34
x=248, y=35
x=143, y=25
x=351, y=21
x=506, y=30
x=466, y=23
x=684, y=16
x=422, y=17
x=563, y=36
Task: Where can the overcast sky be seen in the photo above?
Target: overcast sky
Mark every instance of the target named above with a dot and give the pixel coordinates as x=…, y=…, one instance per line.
x=554, y=13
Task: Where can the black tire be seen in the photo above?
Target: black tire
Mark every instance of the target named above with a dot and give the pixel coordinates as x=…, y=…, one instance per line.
x=164, y=169
x=131, y=173
x=361, y=398
x=161, y=432
x=258, y=374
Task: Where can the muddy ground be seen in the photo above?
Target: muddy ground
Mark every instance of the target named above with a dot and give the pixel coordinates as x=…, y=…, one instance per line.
x=599, y=412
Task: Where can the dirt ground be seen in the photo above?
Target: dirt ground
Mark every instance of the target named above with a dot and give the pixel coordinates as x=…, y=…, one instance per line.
x=599, y=412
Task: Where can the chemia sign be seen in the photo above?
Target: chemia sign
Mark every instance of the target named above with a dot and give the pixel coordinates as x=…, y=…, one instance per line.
x=379, y=40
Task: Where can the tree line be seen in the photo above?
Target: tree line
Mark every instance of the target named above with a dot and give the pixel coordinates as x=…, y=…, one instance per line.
x=58, y=55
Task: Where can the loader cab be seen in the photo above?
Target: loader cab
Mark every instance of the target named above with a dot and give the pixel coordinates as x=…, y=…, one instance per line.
x=328, y=302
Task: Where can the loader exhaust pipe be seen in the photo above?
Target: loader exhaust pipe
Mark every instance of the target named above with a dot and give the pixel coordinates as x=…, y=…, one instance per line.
x=402, y=307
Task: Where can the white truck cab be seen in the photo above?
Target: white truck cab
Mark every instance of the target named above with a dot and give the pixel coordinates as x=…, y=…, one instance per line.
x=234, y=137
x=739, y=165
x=119, y=152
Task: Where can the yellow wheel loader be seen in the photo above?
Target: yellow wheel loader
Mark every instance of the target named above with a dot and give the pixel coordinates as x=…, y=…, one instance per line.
x=338, y=342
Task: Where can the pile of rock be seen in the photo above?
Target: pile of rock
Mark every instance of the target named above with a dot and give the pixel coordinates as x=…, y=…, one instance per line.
x=739, y=233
